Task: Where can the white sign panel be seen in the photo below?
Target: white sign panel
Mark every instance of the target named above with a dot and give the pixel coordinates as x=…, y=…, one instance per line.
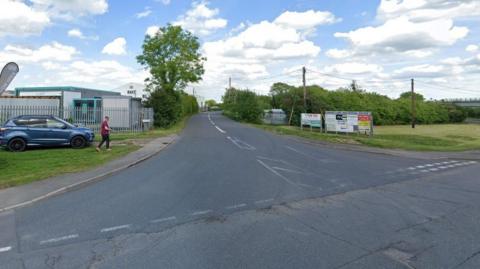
x=313, y=120
x=348, y=121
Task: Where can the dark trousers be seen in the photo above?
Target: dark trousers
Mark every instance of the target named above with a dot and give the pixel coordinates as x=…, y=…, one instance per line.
x=105, y=138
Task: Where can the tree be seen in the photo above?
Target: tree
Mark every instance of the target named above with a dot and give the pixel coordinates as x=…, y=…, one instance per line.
x=210, y=103
x=172, y=57
x=408, y=95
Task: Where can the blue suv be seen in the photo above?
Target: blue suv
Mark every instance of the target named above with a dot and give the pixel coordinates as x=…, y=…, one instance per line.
x=22, y=131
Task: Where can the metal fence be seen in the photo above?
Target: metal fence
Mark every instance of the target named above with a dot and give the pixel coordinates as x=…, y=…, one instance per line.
x=121, y=119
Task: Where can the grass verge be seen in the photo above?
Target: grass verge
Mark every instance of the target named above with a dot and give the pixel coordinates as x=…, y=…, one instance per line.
x=157, y=132
x=37, y=164
x=441, y=137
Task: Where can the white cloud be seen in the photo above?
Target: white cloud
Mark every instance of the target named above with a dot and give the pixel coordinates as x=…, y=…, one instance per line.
x=423, y=10
x=401, y=35
x=338, y=53
x=71, y=9
x=305, y=20
x=472, y=48
x=152, y=30
x=50, y=52
x=145, y=13
x=201, y=20
x=17, y=18
x=117, y=47
x=353, y=68
x=76, y=33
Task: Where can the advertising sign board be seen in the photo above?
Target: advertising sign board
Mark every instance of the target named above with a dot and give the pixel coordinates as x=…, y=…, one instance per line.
x=312, y=120
x=348, y=122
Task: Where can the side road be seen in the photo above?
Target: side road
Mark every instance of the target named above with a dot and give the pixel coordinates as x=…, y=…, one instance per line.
x=23, y=195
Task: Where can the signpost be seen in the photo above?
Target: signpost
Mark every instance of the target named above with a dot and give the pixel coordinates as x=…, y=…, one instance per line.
x=349, y=122
x=9, y=72
x=312, y=120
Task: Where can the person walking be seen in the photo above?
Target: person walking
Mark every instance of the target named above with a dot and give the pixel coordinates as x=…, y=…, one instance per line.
x=105, y=132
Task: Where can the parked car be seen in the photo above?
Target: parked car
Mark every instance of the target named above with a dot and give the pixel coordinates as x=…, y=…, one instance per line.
x=32, y=130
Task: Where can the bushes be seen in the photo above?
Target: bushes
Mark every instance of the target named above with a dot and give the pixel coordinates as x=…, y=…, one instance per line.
x=242, y=105
x=385, y=111
x=171, y=106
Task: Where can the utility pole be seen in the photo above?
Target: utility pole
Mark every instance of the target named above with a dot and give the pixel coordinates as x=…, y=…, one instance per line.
x=229, y=82
x=304, y=71
x=414, y=112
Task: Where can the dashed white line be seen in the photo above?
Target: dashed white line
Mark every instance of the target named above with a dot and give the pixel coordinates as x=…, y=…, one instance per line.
x=197, y=213
x=58, y=239
x=115, y=228
x=220, y=130
x=264, y=201
x=433, y=169
x=420, y=166
x=236, y=206
x=5, y=249
x=172, y=218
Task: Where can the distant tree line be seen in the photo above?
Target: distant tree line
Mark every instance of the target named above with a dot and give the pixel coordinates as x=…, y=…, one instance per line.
x=245, y=105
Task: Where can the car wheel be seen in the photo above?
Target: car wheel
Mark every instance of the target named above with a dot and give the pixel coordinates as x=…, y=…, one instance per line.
x=78, y=142
x=17, y=145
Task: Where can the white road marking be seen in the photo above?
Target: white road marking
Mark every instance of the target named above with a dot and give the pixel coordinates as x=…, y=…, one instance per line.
x=5, y=249
x=196, y=213
x=287, y=170
x=433, y=169
x=442, y=167
x=220, y=130
x=429, y=165
x=411, y=168
x=424, y=171
x=264, y=201
x=276, y=173
x=114, y=228
x=420, y=166
x=172, y=218
x=240, y=144
x=236, y=206
x=58, y=239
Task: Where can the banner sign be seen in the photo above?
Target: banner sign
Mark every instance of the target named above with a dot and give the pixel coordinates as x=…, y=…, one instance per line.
x=6, y=76
x=312, y=120
x=348, y=122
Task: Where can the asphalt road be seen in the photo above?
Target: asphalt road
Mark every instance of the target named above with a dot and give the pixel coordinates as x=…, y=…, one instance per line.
x=229, y=196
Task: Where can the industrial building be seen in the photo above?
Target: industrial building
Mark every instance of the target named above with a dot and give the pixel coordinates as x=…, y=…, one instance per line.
x=66, y=94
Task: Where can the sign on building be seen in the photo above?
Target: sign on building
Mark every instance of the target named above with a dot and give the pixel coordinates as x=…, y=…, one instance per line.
x=312, y=120
x=349, y=122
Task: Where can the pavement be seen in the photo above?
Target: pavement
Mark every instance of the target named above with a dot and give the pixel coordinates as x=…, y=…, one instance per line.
x=226, y=195
x=26, y=194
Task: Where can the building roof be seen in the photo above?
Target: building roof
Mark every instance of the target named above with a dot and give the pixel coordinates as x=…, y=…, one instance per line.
x=59, y=88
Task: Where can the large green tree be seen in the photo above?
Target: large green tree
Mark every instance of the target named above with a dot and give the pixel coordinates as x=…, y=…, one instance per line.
x=173, y=59
x=172, y=56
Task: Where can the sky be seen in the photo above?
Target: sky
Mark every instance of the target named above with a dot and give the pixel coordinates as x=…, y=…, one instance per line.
x=380, y=44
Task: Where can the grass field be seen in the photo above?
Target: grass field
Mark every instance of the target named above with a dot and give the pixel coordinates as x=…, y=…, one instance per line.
x=444, y=137
x=36, y=164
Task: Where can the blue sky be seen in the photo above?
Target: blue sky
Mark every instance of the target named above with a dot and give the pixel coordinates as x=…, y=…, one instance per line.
x=380, y=44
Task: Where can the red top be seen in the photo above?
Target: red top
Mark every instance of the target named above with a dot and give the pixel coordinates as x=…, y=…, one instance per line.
x=104, y=129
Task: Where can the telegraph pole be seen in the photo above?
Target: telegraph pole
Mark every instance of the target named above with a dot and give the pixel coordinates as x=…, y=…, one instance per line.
x=414, y=112
x=229, y=82
x=304, y=71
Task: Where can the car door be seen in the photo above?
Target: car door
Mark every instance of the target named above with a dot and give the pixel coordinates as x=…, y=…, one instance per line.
x=37, y=131
x=58, y=131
